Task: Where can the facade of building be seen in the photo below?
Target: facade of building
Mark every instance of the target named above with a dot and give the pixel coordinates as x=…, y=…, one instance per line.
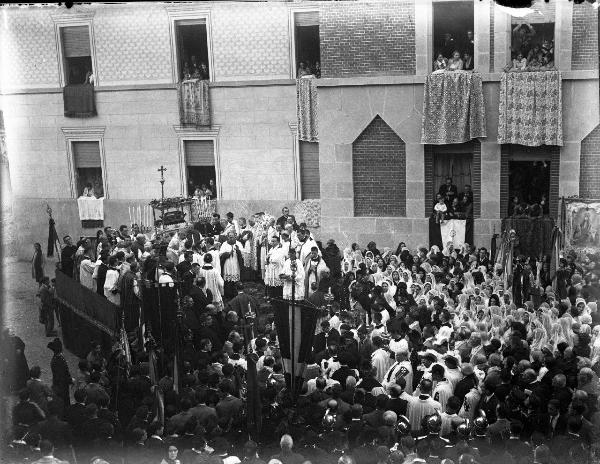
x=371, y=175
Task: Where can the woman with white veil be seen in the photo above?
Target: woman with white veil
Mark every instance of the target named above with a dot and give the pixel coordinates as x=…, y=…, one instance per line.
x=540, y=339
x=566, y=321
x=556, y=336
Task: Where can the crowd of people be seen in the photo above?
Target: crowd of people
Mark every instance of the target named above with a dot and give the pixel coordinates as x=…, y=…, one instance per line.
x=453, y=56
x=449, y=204
x=420, y=355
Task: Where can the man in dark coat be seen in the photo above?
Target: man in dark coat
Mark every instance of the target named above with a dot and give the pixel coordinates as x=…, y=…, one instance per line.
x=66, y=256
x=61, y=377
x=130, y=303
x=244, y=305
x=333, y=258
x=283, y=219
x=201, y=295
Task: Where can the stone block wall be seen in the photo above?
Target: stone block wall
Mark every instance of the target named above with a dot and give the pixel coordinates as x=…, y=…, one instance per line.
x=589, y=177
x=379, y=172
x=585, y=37
x=365, y=38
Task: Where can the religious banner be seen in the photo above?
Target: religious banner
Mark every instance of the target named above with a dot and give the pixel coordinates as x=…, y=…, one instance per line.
x=90, y=208
x=194, y=108
x=295, y=329
x=530, y=110
x=306, y=106
x=582, y=224
x=453, y=231
x=453, y=108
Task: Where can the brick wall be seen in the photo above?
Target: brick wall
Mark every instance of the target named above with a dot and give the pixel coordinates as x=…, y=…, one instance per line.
x=504, y=174
x=367, y=38
x=585, y=37
x=476, y=178
x=589, y=177
x=379, y=172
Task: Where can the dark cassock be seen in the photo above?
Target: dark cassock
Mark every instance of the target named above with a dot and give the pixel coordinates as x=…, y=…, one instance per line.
x=130, y=302
x=67, y=256
x=246, y=307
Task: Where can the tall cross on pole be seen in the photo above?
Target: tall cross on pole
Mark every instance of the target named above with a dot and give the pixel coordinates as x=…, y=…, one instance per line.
x=162, y=193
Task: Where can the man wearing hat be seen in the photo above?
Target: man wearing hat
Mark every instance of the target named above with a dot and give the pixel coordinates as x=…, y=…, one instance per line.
x=427, y=357
x=453, y=373
x=327, y=333
x=468, y=381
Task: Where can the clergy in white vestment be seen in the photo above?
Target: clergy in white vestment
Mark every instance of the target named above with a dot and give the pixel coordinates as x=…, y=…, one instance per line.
x=401, y=368
x=86, y=272
x=212, y=249
x=380, y=359
x=232, y=226
x=230, y=254
x=314, y=268
x=306, y=244
x=291, y=267
x=276, y=257
x=111, y=282
x=423, y=405
x=214, y=281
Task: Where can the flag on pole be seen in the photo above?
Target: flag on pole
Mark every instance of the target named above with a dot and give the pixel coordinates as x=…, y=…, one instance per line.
x=508, y=263
x=304, y=322
x=555, y=257
x=125, y=346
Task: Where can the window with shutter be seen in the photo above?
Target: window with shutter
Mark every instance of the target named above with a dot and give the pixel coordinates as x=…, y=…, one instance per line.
x=87, y=164
x=76, y=53
x=200, y=166
x=306, y=43
x=310, y=180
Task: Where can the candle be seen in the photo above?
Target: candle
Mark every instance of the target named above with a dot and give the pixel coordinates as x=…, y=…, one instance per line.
x=329, y=290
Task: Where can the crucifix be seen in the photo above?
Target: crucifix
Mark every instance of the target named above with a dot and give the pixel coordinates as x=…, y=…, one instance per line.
x=162, y=191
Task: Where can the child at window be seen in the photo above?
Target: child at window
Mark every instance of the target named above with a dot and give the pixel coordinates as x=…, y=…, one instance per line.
x=440, y=63
x=455, y=63
x=440, y=210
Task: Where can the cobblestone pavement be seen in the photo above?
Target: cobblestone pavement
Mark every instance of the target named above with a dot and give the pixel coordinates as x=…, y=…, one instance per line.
x=20, y=314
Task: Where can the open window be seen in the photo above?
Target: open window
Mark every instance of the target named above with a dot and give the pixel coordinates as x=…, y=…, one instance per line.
x=200, y=167
x=307, y=44
x=87, y=163
x=532, y=37
x=76, y=55
x=453, y=31
x=192, y=49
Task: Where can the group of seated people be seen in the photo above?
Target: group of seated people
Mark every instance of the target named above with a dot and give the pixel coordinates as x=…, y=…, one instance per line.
x=533, y=58
x=518, y=208
x=204, y=192
x=450, y=204
x=449, y=58
x=306, y=69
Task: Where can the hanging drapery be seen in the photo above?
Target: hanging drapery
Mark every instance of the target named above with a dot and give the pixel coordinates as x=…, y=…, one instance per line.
x=306, y=102
x=194, y=108
x=530, y=108
x=79, y=101
x=453, y=108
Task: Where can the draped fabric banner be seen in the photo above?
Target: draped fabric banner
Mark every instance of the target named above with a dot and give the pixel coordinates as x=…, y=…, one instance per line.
x=534, y=236
x=453, y=231
x=91, y=209
x=299, y=344
x=79, y=101
x=87, y=304
x=306, y=105
x=253, y=403
x=194, y=107
x=531, y=108
x=453, y=108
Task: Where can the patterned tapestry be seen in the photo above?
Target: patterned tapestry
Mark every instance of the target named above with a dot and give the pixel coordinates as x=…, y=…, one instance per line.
x=531, y=108
x=582, y=224
x=79, y=101
x=306, y=102
x=194, y=108
x=453, y=108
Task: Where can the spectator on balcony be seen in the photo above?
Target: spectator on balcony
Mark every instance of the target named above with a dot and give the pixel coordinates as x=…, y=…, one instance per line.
x=88, y=191
x=468, y=61
x=547, y=63
x=303, y=70
x=470, y=43
x=518, y=64
x=448, y=191
x=439, y=210
x=317, y=70
x=441, y=63
x=455, y=63
x=449, y=44
x=186, y=71
x=203, y=71
x=467, y=193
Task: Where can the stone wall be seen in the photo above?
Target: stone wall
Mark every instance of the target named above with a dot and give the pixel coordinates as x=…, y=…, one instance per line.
x=365, y=38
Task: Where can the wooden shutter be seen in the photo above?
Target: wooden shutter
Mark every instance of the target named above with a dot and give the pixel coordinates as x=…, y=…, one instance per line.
x=199, y=153
x=306, y=18
x=76, y=41
x=310, y=180
x=86, y=154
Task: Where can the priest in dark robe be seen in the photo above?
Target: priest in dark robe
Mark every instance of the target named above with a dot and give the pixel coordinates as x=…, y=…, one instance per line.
x=130, y=302
x=246, y=307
